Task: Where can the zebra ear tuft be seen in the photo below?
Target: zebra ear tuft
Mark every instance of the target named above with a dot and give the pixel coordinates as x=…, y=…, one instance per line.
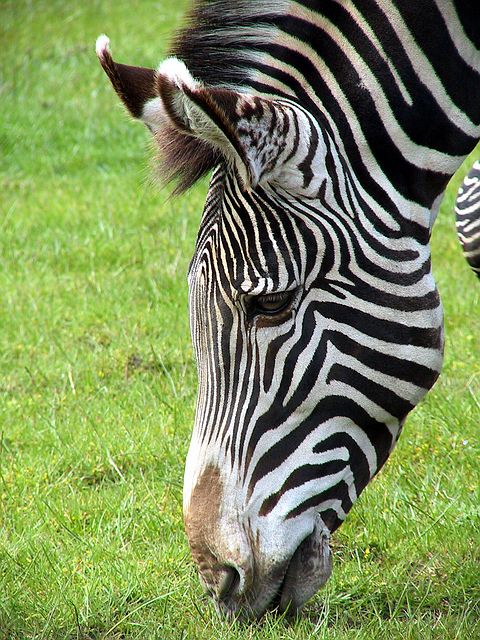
x=247, y=131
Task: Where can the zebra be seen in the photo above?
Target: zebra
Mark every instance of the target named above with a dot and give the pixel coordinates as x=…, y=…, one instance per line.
x=467, y=211
x=331, y=129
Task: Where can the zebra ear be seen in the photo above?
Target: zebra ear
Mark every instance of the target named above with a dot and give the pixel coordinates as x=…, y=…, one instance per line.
x=248, y=131
x=195, y=125
x=135, y=86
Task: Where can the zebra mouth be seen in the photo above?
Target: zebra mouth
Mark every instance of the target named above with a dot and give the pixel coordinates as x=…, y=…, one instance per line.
x=279, y=603
x=282, y=601
x=308, y=570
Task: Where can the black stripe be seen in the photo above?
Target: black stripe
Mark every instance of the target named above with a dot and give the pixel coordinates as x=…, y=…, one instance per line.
x=300, y=476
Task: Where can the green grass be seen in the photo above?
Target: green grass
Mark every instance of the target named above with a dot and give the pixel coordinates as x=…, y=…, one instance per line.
x=97, y=380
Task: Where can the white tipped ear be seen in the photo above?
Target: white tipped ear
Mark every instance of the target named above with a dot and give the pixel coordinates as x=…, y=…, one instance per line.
x=206, y=113
x=250, y=132
x=175, y=82
x=135, y=86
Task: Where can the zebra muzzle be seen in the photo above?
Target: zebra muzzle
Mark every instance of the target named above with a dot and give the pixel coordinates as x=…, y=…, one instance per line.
x=284, y=587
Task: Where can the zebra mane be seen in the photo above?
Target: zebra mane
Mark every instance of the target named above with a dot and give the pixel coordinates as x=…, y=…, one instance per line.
x=218, y=44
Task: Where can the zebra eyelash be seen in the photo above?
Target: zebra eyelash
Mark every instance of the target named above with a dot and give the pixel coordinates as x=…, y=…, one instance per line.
x=272, y=306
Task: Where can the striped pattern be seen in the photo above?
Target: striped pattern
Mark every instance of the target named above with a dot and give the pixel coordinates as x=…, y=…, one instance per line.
x=467, y=211
x=367, y=319
x=300, y=414
x=332, y=128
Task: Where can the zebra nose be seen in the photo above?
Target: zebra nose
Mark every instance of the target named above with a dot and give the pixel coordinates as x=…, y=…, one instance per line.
x=222, y=583
x=228, y=583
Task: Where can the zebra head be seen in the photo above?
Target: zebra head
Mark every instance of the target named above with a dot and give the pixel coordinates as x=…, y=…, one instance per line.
x=315, y=323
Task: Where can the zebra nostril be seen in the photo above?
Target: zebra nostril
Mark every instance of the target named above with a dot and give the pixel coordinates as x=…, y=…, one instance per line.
x=228, y=583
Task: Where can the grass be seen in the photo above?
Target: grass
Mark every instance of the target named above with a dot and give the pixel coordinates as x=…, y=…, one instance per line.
x=97, y=381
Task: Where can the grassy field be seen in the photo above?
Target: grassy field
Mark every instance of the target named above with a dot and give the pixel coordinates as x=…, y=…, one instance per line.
x=97, y=380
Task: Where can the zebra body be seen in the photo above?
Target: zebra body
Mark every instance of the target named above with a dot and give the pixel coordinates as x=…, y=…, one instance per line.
x=332, y=128
x=467, y=211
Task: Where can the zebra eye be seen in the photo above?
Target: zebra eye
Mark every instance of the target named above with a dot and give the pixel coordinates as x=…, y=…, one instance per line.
x=270, y=304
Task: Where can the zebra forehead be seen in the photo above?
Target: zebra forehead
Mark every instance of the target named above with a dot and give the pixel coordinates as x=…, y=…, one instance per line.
x=243, y=239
